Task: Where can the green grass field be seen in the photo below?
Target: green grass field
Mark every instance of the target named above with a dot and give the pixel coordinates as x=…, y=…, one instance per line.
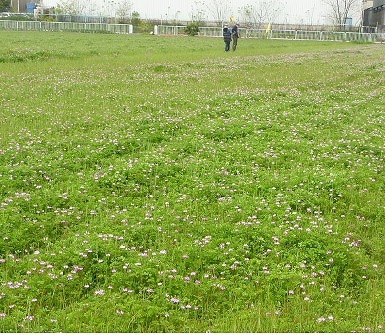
x=158, y=184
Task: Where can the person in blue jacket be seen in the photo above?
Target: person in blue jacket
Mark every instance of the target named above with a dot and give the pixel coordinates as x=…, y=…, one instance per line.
x=226, y=37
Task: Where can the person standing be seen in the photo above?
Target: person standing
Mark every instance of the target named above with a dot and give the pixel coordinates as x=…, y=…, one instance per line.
x=235, y=35
x=226, y=37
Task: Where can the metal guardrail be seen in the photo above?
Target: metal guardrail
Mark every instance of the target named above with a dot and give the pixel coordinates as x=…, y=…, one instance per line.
x=203, y=31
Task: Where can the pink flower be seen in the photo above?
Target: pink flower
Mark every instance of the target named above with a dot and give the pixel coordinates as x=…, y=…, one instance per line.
x=99, y=292
x=174, y=300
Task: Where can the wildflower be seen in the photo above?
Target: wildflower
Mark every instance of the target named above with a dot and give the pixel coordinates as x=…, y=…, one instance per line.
x=2, y=315
x=126, y=290
x=120, y=312
x=99, y=292
x=184, y=256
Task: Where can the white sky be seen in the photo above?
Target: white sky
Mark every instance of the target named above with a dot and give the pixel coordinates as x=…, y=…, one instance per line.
x=292, y=11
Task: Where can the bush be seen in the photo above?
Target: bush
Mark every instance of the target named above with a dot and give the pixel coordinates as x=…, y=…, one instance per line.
x=192, y=29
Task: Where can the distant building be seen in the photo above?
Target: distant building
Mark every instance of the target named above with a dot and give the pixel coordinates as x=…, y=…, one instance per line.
x=374, y=15
x=25, y=6
x=17, y=6
x=367, y=4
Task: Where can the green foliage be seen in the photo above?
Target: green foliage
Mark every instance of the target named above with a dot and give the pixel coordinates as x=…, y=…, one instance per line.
x=135, y=18
x=152, y=191
x=192, y=29
x=18, y=17
x=5, y=5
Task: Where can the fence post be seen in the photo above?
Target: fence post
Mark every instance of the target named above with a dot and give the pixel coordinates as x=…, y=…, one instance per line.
x=156, y=32
x=130, y=28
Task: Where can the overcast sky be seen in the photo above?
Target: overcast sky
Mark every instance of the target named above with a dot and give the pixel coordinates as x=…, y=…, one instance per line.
x=292, y=11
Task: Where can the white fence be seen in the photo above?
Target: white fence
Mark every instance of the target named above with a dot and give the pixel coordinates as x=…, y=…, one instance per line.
x=281, y=34
x=203, y=31
x=66, y=26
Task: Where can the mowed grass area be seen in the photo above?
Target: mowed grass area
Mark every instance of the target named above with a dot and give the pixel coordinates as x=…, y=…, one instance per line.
x=158, y=184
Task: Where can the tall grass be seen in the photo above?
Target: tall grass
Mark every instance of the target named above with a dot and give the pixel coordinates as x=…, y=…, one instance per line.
x=156, y=184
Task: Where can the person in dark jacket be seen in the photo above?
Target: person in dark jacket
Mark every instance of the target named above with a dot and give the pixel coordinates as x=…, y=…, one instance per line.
x=226, y=37
x=235, y=36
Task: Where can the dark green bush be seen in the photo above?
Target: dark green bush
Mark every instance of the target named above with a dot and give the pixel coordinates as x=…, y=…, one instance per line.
x=192, y=29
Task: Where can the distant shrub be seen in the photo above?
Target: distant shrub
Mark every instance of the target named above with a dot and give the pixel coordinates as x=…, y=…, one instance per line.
x=192, y=29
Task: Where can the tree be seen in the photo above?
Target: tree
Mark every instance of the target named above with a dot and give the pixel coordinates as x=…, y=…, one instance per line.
x=135, y=18
x=341, y=9
x=261, y=13
x=71, y=7
x=123, y=10
x=198, y=13
x=5, y=5
x=220, y=10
